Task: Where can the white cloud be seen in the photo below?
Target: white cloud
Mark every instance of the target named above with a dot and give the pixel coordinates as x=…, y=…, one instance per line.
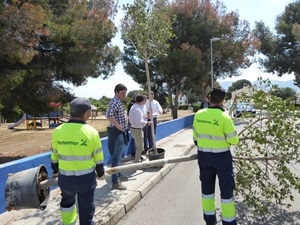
x=253, y=72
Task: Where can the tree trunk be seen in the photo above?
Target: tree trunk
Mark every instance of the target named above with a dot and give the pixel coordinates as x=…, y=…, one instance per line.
x=170, y=97
x=150, y=103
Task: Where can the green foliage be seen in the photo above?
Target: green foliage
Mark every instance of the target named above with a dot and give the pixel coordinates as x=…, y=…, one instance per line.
x=132, y=94
x=239, y=84
x=66, y=108
x=104, y=100
x=45, y=42
x=183, y=107
x=146, y=25
x=284, y=93
x=15, y=115
x=282, y=47
x=103, y=109
x=147, y=28
x=268, y=151
x=196, y=107
x=184, y=66
x=192, y=98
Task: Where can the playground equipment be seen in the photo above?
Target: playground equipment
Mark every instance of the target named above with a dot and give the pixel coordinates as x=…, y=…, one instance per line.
x=32, y=122
x=31, y=188
x=19, y=122
x=52, y=117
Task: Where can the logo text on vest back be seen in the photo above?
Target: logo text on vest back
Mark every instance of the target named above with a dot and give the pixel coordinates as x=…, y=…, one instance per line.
x=215, y=122
x=67, y=143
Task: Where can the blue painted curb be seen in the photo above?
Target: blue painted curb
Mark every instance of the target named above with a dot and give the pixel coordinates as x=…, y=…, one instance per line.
x=163, y=130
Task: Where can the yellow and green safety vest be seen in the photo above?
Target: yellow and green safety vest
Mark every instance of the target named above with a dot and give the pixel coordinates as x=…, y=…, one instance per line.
x=214, y=131
x=77, y=149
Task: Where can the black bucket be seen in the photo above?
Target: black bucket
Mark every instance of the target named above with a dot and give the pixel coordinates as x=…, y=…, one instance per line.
x=22, y=190
x=152, y=156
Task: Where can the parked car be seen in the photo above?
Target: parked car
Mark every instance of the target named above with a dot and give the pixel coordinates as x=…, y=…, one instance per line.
x=244, y=108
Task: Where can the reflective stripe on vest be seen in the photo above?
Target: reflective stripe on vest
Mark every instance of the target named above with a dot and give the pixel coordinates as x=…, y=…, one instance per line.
x=75, y=157
x=99, y=150
x=213, y=150
x=233, y=134
x=217, y=138
x=76, y=172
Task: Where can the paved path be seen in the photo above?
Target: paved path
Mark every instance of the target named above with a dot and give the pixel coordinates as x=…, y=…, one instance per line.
x=111, y=205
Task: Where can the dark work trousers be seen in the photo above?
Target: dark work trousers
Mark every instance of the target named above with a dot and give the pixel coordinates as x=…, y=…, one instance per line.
x=212, y=165
x=84, y=188
x=149, y=133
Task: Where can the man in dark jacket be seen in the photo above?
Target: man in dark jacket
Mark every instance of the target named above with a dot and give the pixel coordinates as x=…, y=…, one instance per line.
x=205, y=103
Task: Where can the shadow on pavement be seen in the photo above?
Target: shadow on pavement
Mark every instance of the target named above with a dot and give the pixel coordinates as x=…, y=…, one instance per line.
x=278, y=215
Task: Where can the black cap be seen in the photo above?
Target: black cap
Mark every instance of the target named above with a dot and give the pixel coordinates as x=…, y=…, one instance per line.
x=80, y=106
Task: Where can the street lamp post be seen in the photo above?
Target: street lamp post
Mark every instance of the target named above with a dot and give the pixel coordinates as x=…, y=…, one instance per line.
x=211, y=60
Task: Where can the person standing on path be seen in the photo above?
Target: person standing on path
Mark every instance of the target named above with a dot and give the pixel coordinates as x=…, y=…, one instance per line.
x=138, y=122
x=213, y=134
x=205, y=103
x=76, y=155
x=117, y=133
x=156, y=110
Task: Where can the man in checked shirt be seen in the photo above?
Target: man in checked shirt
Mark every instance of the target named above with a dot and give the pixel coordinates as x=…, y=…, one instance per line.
x=117, y=132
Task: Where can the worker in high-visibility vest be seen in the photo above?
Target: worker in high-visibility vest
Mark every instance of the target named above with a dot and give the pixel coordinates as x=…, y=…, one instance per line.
x=213, y=133
x=77, y=160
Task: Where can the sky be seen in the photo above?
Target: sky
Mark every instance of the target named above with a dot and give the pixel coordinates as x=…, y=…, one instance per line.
x=250, y=10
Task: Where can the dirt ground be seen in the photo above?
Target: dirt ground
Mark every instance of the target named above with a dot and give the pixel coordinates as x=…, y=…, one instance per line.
x=21, y=142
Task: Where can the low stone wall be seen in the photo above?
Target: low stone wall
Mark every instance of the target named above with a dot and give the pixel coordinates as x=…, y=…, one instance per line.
x=163, y=130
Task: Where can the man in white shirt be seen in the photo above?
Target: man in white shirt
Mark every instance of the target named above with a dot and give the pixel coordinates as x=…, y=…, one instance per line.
x=137, y=121
x=156, y=110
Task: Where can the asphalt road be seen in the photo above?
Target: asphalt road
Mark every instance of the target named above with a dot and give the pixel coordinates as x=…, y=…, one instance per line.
x=175, y=200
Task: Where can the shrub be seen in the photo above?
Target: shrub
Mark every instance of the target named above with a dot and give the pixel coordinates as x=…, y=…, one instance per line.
x=183, y=107
x=196, y=107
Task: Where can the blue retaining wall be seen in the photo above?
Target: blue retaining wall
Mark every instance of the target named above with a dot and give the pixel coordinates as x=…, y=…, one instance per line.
x=163, y=130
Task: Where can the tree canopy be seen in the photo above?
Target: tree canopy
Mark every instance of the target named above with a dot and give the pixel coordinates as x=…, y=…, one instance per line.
x=45, y=42
x=186, y=64
x=285, y=93
x=147, y=27
x=282, y=48
x=239, y=84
